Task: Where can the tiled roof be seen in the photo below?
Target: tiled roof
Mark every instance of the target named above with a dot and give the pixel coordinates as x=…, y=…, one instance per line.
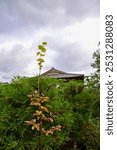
x=54, y=73
x=65, y=75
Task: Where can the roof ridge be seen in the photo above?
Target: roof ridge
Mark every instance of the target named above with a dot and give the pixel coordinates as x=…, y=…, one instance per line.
x=54, y=70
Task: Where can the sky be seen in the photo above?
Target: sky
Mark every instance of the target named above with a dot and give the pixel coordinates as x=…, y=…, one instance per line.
x=70, y=27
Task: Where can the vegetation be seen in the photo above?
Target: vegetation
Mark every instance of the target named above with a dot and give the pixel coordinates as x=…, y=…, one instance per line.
x=55, y=115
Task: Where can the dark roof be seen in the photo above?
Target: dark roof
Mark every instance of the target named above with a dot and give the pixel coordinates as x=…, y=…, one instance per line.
x=66, y=75
x=54, y=73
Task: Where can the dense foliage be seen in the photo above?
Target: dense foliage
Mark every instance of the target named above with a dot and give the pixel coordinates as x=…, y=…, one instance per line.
x=14, y=106
x=72, y=106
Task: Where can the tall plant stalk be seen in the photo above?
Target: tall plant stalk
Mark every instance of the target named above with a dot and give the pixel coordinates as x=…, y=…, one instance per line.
x=41, y=53
x=42, y=114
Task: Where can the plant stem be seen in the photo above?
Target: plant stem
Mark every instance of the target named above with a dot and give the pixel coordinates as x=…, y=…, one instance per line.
x=39, y=79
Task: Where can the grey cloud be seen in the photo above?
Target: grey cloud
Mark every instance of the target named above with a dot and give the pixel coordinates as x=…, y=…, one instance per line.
x=28, y=15
x=73, y=58
x=14, y=62
x=83, y=8
x=69, y=56
x=20, y=17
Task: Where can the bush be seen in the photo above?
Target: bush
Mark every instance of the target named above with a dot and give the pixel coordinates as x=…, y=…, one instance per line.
x=85, y=130
x=74, y=107
x=14, y=106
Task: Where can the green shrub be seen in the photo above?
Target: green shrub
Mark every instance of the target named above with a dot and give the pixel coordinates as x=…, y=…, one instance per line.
x=14, y=106
x=85, y=131
x=74, y=107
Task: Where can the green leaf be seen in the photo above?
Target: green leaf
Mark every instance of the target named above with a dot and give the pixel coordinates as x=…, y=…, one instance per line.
x=38, y=53
x=41, y=67
x=40, y=63
x=42, y=55
x=44, y=43
x=42, y=48
x=40, y=59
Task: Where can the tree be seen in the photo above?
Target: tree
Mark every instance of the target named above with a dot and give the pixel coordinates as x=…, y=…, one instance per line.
x=96, y=66
x=93, y=81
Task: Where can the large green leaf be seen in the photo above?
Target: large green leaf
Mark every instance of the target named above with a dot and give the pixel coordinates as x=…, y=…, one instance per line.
x=38, y=53
x=44, y=43
x=42, y=54
x=40, y=59
x=42, y=48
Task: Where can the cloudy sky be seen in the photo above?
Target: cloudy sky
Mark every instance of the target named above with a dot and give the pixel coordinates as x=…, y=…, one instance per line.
x=71, y=28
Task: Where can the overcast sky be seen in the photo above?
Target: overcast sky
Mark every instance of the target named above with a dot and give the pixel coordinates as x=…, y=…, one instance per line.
x=71, y=28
